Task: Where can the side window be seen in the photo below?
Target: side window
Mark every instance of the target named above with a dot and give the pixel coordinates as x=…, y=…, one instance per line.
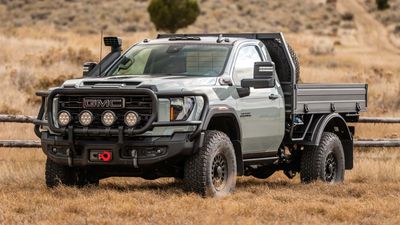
x=244, y=64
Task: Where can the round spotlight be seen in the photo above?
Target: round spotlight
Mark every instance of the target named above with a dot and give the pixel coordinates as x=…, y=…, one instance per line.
x=131, y=118
x=85, y=118
x=64, y=118
x=108, y=118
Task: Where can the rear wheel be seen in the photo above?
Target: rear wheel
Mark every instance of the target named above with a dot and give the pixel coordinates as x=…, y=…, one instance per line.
x=211, y=172
x=325, y=162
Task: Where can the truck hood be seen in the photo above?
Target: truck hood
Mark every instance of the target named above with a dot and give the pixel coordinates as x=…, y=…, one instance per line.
x=167, y=82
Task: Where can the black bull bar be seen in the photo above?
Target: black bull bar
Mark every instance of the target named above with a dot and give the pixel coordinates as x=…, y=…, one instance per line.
x=47, y=98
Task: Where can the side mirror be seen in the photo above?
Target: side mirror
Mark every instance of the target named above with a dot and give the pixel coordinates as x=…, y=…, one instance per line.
x=87, y=67
x=263, y=76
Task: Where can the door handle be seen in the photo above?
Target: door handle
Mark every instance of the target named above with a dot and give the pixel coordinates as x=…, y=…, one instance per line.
x=273, y=96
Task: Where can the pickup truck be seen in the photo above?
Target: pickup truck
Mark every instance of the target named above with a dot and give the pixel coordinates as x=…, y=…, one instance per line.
x=204, y=108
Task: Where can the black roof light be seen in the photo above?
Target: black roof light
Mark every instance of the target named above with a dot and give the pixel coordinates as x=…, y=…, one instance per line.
x=184, y=38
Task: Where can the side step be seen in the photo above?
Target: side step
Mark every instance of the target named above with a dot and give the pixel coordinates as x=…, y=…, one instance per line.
x=260, y=161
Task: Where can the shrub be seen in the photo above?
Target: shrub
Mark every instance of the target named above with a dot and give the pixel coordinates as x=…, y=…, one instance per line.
x=347, y=16
x=322, y=47
x=76, y=56
x=382, y=4
x=397, y=29
x=171, y=15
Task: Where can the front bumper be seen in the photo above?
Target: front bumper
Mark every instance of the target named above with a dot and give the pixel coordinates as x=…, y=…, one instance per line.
x=149, y=150
x=72, y=145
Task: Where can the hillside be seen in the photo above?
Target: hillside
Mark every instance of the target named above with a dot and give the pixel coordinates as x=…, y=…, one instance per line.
x=118, y=16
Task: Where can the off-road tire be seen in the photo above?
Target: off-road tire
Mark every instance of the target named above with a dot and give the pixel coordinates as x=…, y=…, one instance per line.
x=295, y=62
x=199, y=168
x=278, y=56
x=316, y=163
x=57, y=174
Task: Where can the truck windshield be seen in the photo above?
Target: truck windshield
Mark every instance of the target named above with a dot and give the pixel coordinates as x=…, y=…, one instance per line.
x=173, y=59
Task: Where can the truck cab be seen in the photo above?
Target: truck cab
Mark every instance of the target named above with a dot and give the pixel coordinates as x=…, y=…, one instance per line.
x=200, y=107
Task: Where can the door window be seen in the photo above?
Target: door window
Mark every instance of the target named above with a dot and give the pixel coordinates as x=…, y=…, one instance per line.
x=244, y=64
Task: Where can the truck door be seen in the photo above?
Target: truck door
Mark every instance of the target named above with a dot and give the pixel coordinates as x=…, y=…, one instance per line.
x=262, y=112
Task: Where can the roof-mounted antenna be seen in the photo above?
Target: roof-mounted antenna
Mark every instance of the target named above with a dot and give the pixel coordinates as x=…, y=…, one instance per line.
x=221, y=39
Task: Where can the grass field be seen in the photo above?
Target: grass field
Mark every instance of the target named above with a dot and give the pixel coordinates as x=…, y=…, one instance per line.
x=370, y=195
x=35, y=56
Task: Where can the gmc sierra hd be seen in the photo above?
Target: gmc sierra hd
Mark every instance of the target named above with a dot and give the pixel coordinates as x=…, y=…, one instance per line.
x=204, y=108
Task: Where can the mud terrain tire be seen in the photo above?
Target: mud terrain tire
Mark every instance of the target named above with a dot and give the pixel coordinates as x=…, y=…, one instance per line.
x=211, y=172
x=325, y=162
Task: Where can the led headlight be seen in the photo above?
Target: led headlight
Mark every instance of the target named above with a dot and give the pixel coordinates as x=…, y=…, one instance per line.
x=64, y=118
x=180, y=108
x=108, y=118
x=85, y=118
x=131, y=118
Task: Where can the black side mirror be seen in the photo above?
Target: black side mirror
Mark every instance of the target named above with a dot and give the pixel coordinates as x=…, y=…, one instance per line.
x=87, y=67
x=263, y=76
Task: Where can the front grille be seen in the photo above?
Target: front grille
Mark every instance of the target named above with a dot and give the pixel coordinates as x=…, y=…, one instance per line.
x=141, y=104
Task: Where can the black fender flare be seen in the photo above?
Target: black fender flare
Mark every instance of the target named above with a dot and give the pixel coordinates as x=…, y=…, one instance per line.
x=219, y=111
x=222, y=110
x=333, y=121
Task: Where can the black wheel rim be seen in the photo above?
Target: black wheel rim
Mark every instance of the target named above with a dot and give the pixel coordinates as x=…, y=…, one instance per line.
x=219, y=172
x=330, y=167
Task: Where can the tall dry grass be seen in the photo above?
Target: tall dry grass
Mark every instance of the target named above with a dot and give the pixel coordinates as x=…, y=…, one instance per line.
x=369, y=195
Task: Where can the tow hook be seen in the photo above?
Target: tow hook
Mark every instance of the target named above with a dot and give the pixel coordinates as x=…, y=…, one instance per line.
x=134, y=158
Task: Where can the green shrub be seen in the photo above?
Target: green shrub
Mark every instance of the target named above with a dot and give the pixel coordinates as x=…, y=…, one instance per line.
x=382, y=4
x=171, y=15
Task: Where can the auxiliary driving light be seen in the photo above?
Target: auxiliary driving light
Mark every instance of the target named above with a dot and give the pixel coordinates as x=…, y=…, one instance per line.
x=131, y=118
x=85, y=118
x=108, y=118
x=64, y=118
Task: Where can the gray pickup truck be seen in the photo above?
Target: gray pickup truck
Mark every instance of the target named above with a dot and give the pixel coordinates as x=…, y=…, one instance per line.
x=204, y=108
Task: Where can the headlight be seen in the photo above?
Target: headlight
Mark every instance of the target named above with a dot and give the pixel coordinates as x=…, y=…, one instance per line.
x=64, y=118
x=108, y=118
x=180, y=108
x=86, y=118
x=131, y=118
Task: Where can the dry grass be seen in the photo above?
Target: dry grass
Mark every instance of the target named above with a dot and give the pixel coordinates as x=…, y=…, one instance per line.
x=88, y=16
x=42, y=50
x=369, y=195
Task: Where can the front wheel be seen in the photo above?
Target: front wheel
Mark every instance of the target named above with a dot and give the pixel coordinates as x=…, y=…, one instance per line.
x=325, y=162
x=57, y=174
x=212, y=171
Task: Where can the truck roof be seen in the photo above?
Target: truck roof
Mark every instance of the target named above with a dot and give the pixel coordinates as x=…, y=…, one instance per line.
x=224, y=40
